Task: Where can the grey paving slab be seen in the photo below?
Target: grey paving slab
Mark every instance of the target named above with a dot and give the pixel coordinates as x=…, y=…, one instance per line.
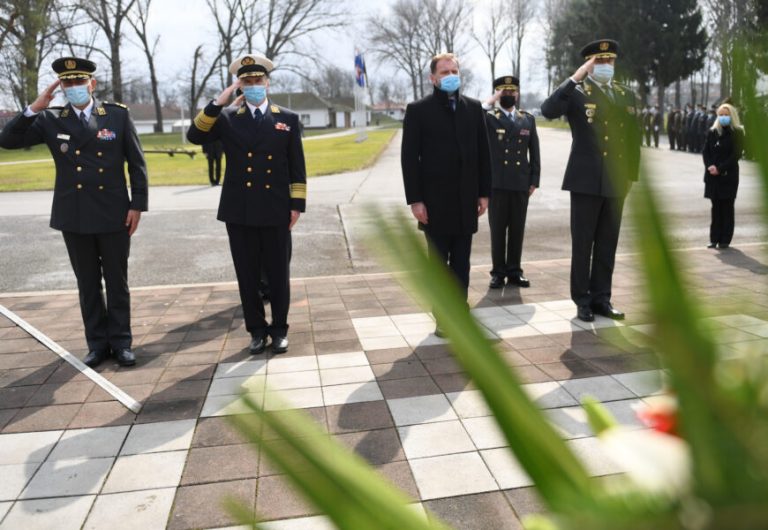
x=27, y=447
x=159, y=437
x=66, y=513
x=15, y=478
x=68, y=477
x=147, y=509
x=99, y=442
x=146, y=471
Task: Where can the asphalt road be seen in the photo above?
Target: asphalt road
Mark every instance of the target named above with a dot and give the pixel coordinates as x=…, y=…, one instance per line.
x=180, y=241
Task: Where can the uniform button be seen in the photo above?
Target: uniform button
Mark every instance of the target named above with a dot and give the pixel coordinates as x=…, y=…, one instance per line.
x=250, y=155
x=101, y=170
x=605, y=122
x=249, y=169
x=518, y=163
x=269, y=157
x=98, y=154
x=506, y=150
x=519, y=141
x=269, y=171
x=79, y=168
x=79, y=186
x=605, y=137
x=248, y=184
x=505, y=162
x=605, y=153
x=518, y=152
x=77, y=151
x=267, y=186
x=101, y=187
x=621, y=125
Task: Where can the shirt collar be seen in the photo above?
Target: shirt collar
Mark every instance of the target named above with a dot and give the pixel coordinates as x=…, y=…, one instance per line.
x=602, y=87
x=510, y=113
x=86, y=111
x=262, y=107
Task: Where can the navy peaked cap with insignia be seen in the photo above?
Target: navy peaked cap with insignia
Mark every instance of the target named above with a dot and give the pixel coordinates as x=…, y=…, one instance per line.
x=506, y=82
x=602, y=48
x=73, y=68
x=251, y=65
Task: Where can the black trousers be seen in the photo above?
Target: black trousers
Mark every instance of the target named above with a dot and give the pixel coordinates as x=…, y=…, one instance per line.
x=254, y=247
x=506, y=215
x=95, y=257
x=672, y=140
x=454, y=250
x=723, y=220
x=263, y=280
x=655, y=138
x=595, y=225
x=214, y=170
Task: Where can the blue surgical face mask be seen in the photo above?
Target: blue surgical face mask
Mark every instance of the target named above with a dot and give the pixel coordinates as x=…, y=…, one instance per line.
x=255, y=94
x=725, y=121
x=450, y=83
x=603, y=73
x=77, y=95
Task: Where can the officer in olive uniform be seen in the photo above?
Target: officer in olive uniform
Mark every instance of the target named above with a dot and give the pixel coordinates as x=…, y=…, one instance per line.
x=90, y=142
x=264, y=192
x=516, y=167
x=603, y=163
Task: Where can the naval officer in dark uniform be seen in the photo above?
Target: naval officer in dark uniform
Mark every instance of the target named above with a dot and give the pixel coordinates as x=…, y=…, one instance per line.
x=603, y=163
x=264, y=192
x=516, y=168
x=91, y=142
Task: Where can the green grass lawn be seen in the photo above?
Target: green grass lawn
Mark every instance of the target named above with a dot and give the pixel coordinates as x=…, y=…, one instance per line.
x=323, y=156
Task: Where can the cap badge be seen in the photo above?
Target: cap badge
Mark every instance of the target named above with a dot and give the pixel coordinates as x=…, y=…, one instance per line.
x=508, y=80
x=70, y=64
x=604, y=46
x=247, y=61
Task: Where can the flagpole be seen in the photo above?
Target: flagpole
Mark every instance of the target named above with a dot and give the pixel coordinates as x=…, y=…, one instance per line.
x=360, y=83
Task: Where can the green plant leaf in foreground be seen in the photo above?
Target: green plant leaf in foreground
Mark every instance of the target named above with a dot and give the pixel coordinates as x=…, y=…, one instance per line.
x=335, y=480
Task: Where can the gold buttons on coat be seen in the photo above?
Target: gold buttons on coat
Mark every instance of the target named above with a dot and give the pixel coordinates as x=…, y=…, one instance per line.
x=101, y=187
x=605, y=153
x=101, y=170
x=249, y=169
x=79, y=168
x=77, y=151
x=506, y=150
x=269, y=157
x=505, y=162
x=250, y=155
x=79, y=186
x=518, y=163
x=269, y=171
x=99, y=153
x=267, y=186
x=605, y=137
x=248, y=184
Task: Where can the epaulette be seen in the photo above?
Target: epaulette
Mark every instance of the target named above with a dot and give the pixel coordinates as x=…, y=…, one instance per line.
x=494, y=112
x=580, y=88
x=115, y=104
x=274, y=109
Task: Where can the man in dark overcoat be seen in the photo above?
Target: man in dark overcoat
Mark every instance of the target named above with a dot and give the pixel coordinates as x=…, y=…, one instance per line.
x=213, y=152
x=446, y=166
x=91, y=141
x=516, y=168
x=604, y=161
x=264, y=192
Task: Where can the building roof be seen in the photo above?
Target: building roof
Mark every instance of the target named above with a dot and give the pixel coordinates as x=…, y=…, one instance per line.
x=146, y=112
x=299, y=100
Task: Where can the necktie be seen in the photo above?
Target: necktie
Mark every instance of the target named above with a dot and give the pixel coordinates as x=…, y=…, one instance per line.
x=608, y=91
x=257, y=116
x=83, y=120
x=452, y=103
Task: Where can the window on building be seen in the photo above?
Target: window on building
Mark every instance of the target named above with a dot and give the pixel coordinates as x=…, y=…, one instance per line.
x=304, y=119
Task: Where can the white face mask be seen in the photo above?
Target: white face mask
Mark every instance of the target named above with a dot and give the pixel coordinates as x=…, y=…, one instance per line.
x=603, y=73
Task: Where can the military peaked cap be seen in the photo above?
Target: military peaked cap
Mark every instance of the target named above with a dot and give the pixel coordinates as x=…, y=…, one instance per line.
x=602, y=49
x=251, y=65
x=507, y=82
x=73, y=68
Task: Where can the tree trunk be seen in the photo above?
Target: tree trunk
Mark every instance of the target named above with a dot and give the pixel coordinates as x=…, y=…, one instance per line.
x=677, y=94
x=660, y=98
x=156, y=97
x=117, y=76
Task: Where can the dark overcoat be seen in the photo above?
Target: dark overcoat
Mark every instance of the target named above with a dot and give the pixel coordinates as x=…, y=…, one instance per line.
x=605, y=153
x=90, y=194
x=723, y=152
x=265, y=176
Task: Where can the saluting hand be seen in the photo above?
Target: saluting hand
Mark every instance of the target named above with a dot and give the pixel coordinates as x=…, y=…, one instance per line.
x=491, y=101
x=132, y=221
x=44, y=99
x=223, y=98
x=584, y=70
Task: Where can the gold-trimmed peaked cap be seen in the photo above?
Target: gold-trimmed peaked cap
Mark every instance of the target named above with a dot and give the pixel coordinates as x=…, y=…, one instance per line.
x=73, y=68
x=250, y=65
x=506, y=82
x=602, y=49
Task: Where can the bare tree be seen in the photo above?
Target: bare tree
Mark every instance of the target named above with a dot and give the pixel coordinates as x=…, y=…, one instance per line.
x=396, y=39
x=228, y=26
x=7, y=19
x=332, y=82
x=444, y=25
x=109, y=16
x=493, y=34
x=521, y=12
x=552, y=11
x=200, y=77
x=138, y=21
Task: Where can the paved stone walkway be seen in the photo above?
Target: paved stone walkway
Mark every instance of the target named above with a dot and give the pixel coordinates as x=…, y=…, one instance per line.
x=363, y=363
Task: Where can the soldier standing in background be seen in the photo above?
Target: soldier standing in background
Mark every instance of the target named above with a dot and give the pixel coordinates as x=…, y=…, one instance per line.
x=672, y=128
x=657, y=123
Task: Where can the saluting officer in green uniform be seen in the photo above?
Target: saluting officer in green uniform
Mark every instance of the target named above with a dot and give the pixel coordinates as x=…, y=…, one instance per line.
x=604, y=161
x=91, y=142
x=264, y=192
x=516, y=168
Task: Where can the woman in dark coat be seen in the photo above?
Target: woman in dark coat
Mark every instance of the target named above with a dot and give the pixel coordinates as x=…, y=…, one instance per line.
x=722, y=150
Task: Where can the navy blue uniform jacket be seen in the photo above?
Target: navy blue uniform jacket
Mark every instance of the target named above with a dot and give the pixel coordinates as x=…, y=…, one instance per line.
x=90, y=195
x=265, y=176
x=514, y=149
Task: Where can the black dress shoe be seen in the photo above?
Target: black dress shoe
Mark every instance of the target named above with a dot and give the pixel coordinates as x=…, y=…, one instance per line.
x=722, y=246
x=519, y=280
x=585, y=313
x=712, y=245
x=258, y=344
x=606, y=309
x=440, y=333
x=125, y=357
x=279, y=344
x=497, y=282
x=95, y=358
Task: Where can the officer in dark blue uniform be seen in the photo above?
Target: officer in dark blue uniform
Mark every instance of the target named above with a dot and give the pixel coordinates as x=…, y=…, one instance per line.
x=603, y=163
x=516, y=168
x=264, y=192
x=91, y=142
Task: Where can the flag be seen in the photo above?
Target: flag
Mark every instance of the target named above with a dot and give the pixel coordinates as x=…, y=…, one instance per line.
x=360, y=73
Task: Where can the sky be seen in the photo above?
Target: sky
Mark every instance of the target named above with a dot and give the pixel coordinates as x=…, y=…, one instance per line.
x=184, y=24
